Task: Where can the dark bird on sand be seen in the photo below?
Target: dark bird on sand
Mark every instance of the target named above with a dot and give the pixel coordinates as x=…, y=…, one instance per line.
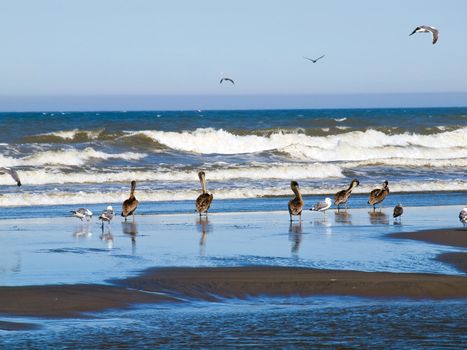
x=313, y=60
x=427, y=29
x=129, y=205
x=296, y=204
x=12, y=173
x=226, y=79
x=343, y=196
x=463, y=216
x=398, y=211
x=378, y=195
x=204, y=200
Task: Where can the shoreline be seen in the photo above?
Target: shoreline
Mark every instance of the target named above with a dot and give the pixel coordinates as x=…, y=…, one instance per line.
x=175, y=285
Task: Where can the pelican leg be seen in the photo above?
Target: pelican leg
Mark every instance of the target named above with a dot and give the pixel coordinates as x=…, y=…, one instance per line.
x=290, y=217
x=374, y=208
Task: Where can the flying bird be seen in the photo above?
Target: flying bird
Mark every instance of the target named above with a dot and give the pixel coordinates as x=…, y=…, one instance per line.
x=82, y=213
x=427, y=29
x=322, y=206
x=226, y=79
x=313, y=60
x=12, y=173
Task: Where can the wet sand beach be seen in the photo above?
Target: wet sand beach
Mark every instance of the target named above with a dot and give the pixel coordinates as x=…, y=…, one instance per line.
x=212, y=284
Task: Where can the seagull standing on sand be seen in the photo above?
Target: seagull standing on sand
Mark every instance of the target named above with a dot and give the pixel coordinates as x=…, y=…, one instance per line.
x=322, y=206
x=313, y=60
x=427, y=29
x=107, y=215
x=82, y=213
x=226, y=79
x=296, y=204
x=463, y=216
x=398, y=211
x=378, y=195
x=12, y=173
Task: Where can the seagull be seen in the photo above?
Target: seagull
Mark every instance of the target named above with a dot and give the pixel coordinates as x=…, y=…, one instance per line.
x=107, y=215
x=398, y=211
x=313, y=60
x=463, y=216
x=12, y=173
x=226, y=79
x=82, y=213
x=427, y=29
x=322, y=206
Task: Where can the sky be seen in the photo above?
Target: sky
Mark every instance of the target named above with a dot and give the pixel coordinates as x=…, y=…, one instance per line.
x=98, y=54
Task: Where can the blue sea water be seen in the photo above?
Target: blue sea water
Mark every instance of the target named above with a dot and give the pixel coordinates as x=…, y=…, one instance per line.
x=87, y=159
x=90, y=157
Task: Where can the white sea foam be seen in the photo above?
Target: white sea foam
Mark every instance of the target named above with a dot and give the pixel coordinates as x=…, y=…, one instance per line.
x=69, y=157
x=71, y=134
x=340, y=119
x=355, y=145
x=252, y=172
x=61, y=197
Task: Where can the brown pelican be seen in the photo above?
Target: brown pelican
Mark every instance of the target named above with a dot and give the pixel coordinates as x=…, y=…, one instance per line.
x=296, y=204
x=343, y=196
x=378, y=195
x=322, y=206
x=427, y=29
x=107, y=215
x=82, y=213
x=226, y=79
x=398, y=211
x=313, y=60
x=12, y=173
x=204, y=200
x=129, y=205
x=463, y=216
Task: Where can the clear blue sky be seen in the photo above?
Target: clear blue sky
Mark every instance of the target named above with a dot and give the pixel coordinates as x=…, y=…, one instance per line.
x=150, y=47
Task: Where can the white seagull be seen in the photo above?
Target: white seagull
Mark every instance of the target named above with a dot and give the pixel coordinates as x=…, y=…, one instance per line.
x=107, y=215
x=12, y=173
x=82, y=213
x=463, y=216
x=322, y=206
x=427, y=29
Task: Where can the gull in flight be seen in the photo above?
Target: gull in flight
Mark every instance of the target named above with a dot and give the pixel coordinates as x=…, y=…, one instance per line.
x=12, y=173
x=313, y=60
x=427, y=29
x=226, y=79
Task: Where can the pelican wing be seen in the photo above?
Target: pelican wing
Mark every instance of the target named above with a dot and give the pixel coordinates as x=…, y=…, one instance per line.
x=12, y=173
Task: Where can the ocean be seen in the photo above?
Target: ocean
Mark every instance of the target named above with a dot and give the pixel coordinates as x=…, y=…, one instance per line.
x=83, y=158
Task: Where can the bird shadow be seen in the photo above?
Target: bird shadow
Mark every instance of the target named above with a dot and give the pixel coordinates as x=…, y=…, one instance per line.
x=378, y=218
x=204, y=227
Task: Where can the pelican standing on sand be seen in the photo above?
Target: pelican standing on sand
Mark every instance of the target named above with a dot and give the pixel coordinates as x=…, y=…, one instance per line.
x=129, y=205
x=398, y=211
x=82, y=213
x=322, y=206
x=463, y=216
x=107, y=215
x=343, y=196
x=296, y=204
x=427, y=29
x=204, y=200
x=378, y=195
x=12, y=173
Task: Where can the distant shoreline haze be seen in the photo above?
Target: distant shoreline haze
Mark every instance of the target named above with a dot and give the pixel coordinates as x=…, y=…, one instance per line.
x=229, y=102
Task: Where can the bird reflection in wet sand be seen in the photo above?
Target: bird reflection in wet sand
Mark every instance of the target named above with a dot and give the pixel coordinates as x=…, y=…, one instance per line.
x=295, y=236
x=378, y=218
x=323, y=223
x=107, y=238
x=82, y=231
x=131, y=229
x=203, y=226
x=343, y=217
